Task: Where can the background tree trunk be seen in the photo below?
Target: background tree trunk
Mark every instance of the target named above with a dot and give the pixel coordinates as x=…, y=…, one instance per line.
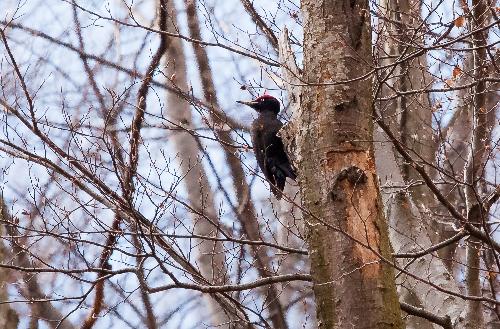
x=30, y=289
x=475, y=166
x=211, y=259
x=407, y=227
x=8, y=316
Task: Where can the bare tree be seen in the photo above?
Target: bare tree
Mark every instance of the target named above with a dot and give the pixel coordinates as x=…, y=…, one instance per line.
x=131, y=196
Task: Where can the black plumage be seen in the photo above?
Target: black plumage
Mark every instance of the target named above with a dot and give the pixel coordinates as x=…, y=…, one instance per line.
x=268, y=147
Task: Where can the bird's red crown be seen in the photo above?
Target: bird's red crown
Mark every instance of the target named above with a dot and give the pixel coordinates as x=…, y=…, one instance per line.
x=265, y=96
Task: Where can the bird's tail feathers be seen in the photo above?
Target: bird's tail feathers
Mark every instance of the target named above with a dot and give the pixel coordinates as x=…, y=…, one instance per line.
x=287, y=170
x=280, y=173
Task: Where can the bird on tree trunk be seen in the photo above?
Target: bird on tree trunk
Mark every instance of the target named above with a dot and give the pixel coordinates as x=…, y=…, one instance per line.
x=268, y=147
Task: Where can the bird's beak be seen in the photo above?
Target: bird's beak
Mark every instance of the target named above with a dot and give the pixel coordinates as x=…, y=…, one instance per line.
x=252, y=104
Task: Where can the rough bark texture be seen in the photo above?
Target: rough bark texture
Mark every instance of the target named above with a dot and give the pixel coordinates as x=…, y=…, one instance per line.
x=211, y=254
x=336, y=165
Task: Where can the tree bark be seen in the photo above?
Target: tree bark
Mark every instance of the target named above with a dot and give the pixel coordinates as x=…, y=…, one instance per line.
x=347, y=232
x=410, y=116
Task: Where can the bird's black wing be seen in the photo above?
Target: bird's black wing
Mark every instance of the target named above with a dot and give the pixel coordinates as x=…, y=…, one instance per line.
x=278, y=164
x=271, y=155
x=260, y=142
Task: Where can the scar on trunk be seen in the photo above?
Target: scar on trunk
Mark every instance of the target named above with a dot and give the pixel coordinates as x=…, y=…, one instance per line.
x=353, y=174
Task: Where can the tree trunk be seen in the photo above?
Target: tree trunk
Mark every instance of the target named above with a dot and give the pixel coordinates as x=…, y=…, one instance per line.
x=246, y=215
x=347, y=232
x=406, y=227
x=211, y=259
x=474, y=169
x=31, y=289
x=8, y=316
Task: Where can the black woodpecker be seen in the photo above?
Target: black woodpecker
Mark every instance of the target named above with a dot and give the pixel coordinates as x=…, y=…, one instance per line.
x=268, y=148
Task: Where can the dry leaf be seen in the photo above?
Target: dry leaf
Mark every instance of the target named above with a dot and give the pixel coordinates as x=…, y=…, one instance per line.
x=463, y=4
x=460, y=21
x=456, y=71
x=437, y=107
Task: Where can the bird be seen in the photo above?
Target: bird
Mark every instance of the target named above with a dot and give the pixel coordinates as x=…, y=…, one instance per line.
x=267, y=145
